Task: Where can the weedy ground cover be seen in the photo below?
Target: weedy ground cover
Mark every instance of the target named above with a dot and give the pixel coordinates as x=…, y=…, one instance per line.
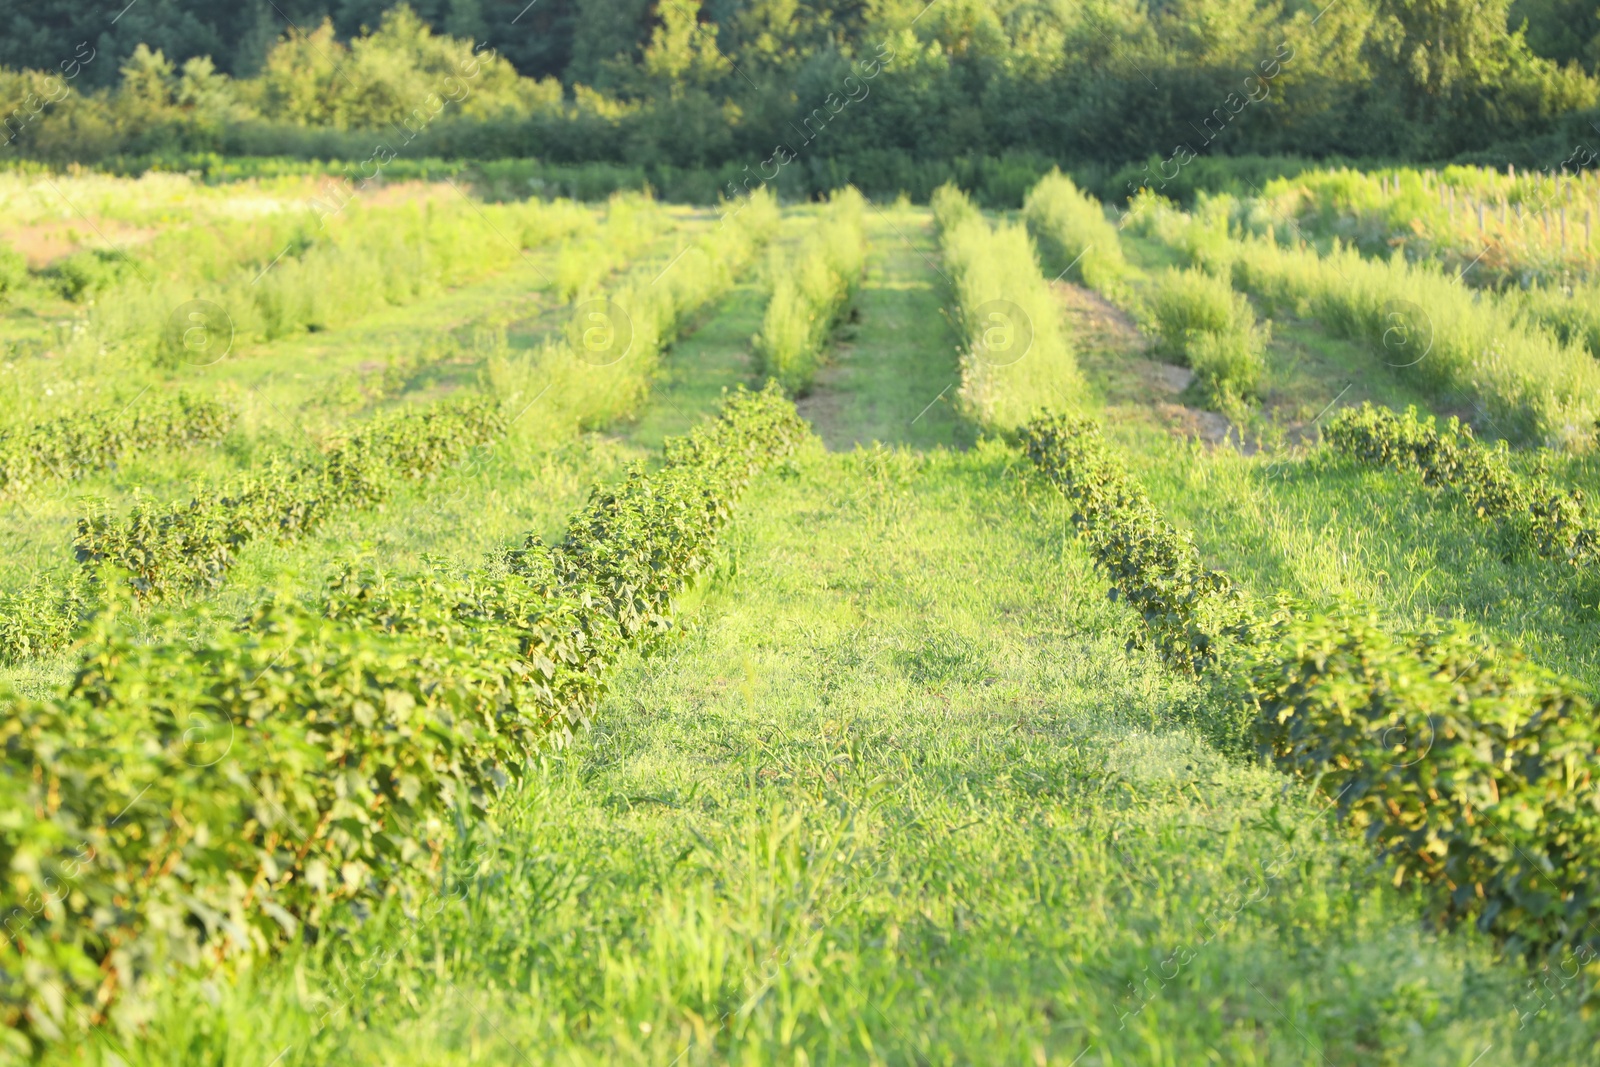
x=1016, y=355
x=905, y=738
x=902, y=791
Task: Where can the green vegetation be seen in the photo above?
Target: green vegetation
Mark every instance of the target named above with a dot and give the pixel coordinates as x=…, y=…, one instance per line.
x=1073, y=226
x=890, y=96
x=70, y=446
x=1470, y=768
x=349, y=735
x=1202, y=323
x=811, y=288
x=1411, y=316
x=168, y=550
x=1016, y=354
x=423, y=697
x=1555, y=522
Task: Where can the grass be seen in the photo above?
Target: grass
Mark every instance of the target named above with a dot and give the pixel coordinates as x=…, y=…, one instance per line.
x=897, y=383
x=901, y=792
x=901, y=797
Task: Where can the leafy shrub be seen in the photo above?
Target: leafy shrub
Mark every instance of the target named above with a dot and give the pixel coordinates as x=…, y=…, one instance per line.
x=1472, y=770
x=45, y=615
x=1202, y=322
x=951, y=207
x=1555, y=522
x=1186, y=302
x=73, y=446
x=13, y=269
x=811, y=287
x=1016, y=353
x=1074, y=227
x=1191, y=610
x=225, y=790
x=87, y=273
x=169, y=549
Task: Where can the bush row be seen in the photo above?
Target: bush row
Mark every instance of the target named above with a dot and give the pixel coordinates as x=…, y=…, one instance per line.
x=1556, y=522
x=73, y=446
x=1192, y=611
x=173, y=548
x=1198, y=321
x=1469, y=768
x=220, y=791
x=1016, y=354
x=1415, y=317
x=811, y=287
x=585, y=261
x=570, y=384
x=1073, y=227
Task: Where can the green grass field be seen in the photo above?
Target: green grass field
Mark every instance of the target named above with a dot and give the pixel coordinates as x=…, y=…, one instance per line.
x=902, y=784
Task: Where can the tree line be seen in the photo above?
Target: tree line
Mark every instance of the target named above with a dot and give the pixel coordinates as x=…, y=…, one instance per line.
x=833, y=84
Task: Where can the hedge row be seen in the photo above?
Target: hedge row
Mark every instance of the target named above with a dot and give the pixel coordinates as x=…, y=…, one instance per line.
x=195, y=799
x=167, y=549
x=1197, y=320
x=1556, y=522
x=73, y=446
x=568, y=384
x=1016, y=350
x=1471, y=769
x=811, y=288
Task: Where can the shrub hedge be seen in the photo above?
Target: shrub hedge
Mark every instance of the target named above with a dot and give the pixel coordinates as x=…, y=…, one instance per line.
x=1558, y=523
x=222, y=790
x=167, y=549
x=1471, y=769
x=74, y=446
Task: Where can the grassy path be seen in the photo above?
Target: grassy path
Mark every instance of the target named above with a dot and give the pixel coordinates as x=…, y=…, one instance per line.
x=894, y=378
x=901, y=796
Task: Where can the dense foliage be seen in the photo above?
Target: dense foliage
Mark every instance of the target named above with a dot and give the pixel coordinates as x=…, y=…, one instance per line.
x=1471, y=770
x=222, y=790
x=71, y=446
x=1534, y=511
x=828, y=91
x=811, y=288
x=170, y=549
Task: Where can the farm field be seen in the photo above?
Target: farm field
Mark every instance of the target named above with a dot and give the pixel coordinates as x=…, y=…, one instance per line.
x=835, y=631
